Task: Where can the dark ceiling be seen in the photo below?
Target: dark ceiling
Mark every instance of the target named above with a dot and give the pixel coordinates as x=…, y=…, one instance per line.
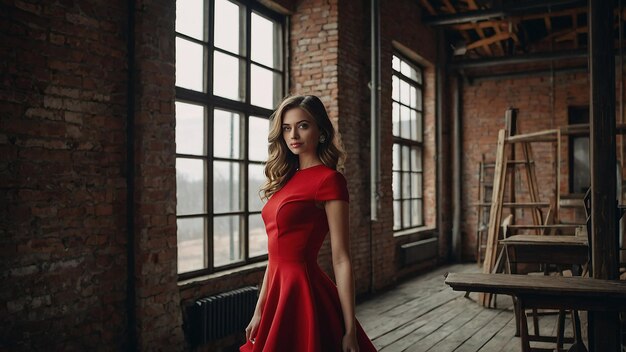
x=496, y=37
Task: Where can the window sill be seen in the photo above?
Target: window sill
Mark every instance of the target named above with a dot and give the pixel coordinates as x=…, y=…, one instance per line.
x=200, y=280
x=414, y=231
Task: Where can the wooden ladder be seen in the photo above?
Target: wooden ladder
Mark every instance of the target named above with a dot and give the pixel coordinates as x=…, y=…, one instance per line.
x=502, y=164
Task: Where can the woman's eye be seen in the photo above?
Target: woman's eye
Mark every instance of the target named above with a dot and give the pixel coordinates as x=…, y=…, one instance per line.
x=286, y=128
x=304, y=126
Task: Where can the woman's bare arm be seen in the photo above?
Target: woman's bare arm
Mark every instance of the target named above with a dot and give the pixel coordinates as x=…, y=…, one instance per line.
x=337, y=213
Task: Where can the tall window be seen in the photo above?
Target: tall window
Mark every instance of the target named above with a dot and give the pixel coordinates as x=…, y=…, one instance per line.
x=579, y=170
x=408, y=144
x=229, y=77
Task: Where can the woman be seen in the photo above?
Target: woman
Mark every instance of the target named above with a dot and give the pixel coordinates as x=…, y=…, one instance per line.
x=299, y=307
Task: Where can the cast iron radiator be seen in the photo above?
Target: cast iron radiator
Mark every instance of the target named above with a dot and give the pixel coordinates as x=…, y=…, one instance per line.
x=220, y=315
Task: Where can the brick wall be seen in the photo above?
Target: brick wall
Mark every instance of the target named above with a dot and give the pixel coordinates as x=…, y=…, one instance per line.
x=157, y=297
x=484, y=104
x=62, y=118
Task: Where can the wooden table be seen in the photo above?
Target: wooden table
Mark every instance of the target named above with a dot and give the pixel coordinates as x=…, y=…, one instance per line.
x=550, y=292
x=564, y=250
x=533, y=249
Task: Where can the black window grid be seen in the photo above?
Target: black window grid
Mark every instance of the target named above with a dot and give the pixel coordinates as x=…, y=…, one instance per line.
x=211, y=102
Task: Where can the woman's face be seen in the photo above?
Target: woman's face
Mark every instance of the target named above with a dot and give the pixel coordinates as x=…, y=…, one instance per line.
x=300, y=132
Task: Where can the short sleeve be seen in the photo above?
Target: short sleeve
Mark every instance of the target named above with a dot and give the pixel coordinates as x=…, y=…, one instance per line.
x=334, y=186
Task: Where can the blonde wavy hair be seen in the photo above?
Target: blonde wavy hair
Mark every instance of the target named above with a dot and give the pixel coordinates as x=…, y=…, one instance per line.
x=282, y=163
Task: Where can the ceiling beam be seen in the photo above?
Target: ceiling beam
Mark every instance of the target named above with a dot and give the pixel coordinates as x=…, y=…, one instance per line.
x=503, y=11
x=490, y=40
x=537, y=57
x=428, y=7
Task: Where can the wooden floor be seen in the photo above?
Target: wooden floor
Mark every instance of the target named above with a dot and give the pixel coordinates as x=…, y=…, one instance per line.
x=424, y=314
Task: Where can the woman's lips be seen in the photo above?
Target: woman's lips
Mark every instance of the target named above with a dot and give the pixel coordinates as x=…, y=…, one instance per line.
x=295, y=145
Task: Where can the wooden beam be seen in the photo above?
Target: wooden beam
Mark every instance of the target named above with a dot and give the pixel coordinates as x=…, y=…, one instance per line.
x=490, y=40
x=465, y=35
x=604, y=328
x=428, y=7
x=565, y=33
x=473, y=6
x=507, y=10
x=548, y=23
x=482, y=25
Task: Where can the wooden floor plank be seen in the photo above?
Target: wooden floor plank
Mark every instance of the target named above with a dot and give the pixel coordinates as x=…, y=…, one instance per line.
x=463, y=333
x=468, y=312
x=424, y=314
x=416, y=336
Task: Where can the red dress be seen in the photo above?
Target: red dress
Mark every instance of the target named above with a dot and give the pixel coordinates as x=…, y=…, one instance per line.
x=302, y=312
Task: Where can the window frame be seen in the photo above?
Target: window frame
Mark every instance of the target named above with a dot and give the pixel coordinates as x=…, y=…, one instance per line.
x=411, y=144
x=246, y=110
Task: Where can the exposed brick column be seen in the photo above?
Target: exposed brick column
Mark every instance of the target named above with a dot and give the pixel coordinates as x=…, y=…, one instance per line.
x=157, y=296
x=313, y=66
x=354, y=120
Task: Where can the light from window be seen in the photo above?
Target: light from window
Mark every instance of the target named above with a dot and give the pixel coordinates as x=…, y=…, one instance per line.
x=407, y=129
x=190, y=68
x=228, y=80
x=190, y=18
x=228, y=27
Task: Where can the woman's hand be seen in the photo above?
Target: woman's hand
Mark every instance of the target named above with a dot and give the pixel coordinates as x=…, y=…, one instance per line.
x=253, y=327
x=349, y=343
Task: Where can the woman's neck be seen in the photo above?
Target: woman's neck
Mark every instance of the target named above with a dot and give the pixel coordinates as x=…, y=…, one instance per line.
x=306, y=162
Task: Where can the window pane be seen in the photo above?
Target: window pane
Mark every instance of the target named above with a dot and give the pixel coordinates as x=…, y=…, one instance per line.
x=226, y=137
x=226, y=241
x=189, y=65
x=418, y=100
x=405, y=94
x=416, y=159
x=264, y=41
x=395, y=113
x=407, y=70
x=416, y=185
x=191, y=244
x=419, y=123
x=395, y=88
x=413, y=118
x=189, y=128
x=227, y=74
x=397, y=215
x=419, y=186
x=581, y=172
x=419, y=212
x=256, y=178
x=406, y=213
x=415, y=213
x=228, y=30
x=405, y=158
x=262, y=87
x=258, y=237
x=257, y=138
x=226, y=187
x=418, y=76
x=406, y=185
x=413, y=97
x=396, y=185
x=395, y=63
x=396, y=157
x=190, y=18
x=190, y=186
x=405, y=123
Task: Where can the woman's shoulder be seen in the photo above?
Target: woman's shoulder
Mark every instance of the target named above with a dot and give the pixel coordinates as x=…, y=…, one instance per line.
x=322, y=172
